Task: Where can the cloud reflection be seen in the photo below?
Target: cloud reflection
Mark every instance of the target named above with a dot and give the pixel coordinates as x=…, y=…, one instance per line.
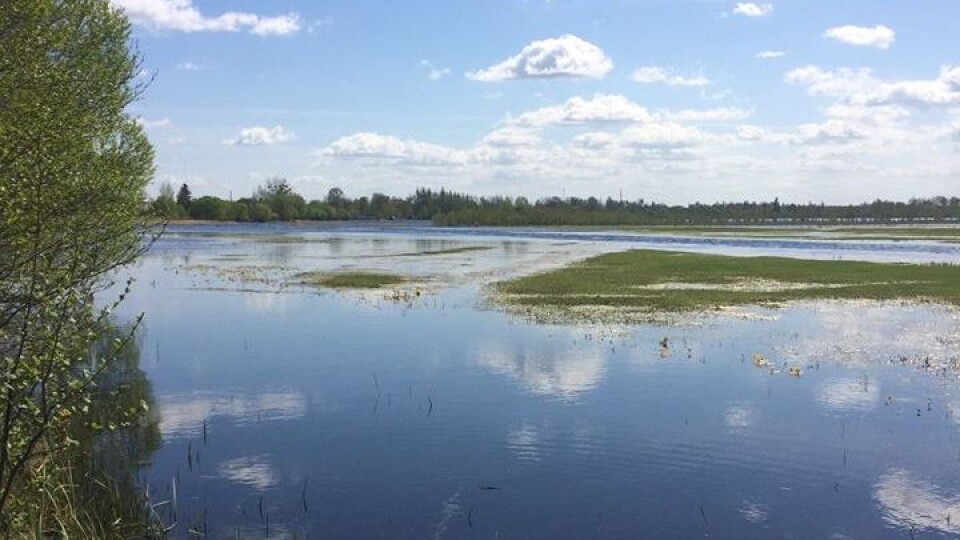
x=252, y=471
x=524, y=442
x=754, y=512
x=848, y=394
x=183, y=416
x=910, y=503
x=546, y=371
x=860, y=334
x=739, y=417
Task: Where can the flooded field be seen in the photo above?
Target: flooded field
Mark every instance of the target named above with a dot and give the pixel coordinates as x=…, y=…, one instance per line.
x=423, y=410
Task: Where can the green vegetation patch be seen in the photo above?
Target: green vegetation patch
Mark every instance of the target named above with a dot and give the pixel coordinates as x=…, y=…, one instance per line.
x=666, y=281
x=351, y=280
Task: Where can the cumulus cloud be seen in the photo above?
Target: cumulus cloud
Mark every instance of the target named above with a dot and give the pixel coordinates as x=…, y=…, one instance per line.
x=260, y=136
x=512, y=137
x=832, y=131
x=367, y=145
x=750, y=9
x=656, y=74
x=769, y=55
x=721, y=114
x=564, y=56
x=600, y=143
x=183, y=16
x=861, y=87
x=662, y=136
x=601, y=108
x=879, y=36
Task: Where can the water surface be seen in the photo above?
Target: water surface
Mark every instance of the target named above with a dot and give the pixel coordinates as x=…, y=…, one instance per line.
x=287, y=411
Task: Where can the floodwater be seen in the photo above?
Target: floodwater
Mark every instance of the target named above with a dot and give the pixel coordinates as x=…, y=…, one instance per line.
x=292, y=412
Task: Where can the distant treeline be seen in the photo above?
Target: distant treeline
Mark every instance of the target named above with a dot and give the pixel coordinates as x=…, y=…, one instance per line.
x=277, y=201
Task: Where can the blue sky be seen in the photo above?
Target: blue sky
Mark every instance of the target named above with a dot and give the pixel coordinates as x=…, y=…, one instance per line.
x=671, y=100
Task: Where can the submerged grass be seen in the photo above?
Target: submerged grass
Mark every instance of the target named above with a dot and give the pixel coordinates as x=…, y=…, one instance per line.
x=667, y=281
x=350, y=280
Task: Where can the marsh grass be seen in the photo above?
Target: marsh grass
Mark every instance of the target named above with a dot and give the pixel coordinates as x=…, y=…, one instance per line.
x=668, y=281
x=350, y=280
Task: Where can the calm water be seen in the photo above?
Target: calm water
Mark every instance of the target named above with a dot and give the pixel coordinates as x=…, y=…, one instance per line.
x=310, y=413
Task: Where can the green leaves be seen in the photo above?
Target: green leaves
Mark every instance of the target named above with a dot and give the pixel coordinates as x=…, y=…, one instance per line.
x=73, y=169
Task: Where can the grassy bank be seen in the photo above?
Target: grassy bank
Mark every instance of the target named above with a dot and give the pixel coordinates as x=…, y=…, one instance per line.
x=666, y=281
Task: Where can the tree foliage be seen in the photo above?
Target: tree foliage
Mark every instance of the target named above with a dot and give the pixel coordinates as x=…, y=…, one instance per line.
x=73, y=168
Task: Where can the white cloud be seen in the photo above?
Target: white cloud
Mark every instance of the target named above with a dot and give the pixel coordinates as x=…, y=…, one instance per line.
x=661, y=136
x=564, y=56
x=722, y=114
x=434, y=73
x=187, y=65
x=601, y=108
x=183, y=16
x=656, y=74
x=861, y=87
x=750, y=9
x=879, y=36
x=260, y=136
x=367, y=145
x=769, y=55
x=830, y=132
x=160, y=123
x=512, y=137
x=598, y=144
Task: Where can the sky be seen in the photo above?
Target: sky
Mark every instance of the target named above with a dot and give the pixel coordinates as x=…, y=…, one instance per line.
x=676, y=101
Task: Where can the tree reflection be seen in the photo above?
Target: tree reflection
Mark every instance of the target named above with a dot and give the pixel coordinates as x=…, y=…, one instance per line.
x=115, y=440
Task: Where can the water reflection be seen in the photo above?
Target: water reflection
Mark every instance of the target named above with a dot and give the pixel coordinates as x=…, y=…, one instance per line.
x=185, y=416
x=107, y=464
x=253, y=471
x=739, y=417
x=879, y=331
x=908, y=502
x=754, y=512
x=545, y=370
x=524, y=443
x=848, y=394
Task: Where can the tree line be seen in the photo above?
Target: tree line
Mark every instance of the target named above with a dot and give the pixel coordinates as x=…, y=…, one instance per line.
x=276, y=200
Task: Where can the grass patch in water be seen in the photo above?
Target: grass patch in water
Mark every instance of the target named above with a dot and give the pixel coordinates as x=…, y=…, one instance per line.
x=350, y=280
x=668, y=281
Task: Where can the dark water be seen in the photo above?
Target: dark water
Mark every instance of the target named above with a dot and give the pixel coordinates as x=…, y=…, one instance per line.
x=322, y=415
